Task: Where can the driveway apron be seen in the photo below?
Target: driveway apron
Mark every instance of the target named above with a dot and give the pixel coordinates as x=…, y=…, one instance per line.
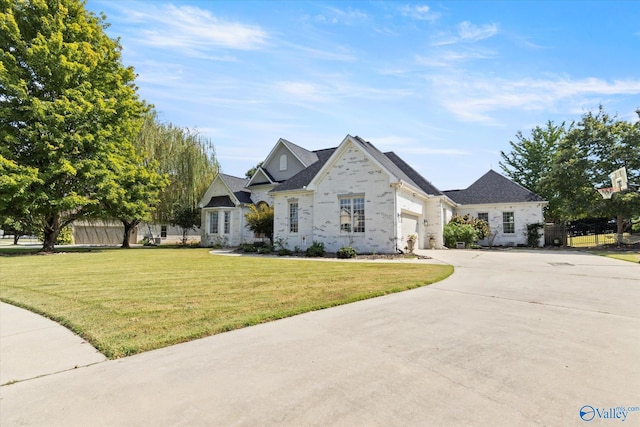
x=511, y=338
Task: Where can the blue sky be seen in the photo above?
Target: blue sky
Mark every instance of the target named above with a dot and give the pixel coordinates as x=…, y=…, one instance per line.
x=446, y=85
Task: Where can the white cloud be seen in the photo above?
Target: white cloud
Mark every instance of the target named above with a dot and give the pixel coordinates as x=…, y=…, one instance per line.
x=468, y=33
x=324, y=54
x=336, y=15
x=305, y=91
x=450, y=57
x=473, y=98
x=421, y=13
x=194, y=30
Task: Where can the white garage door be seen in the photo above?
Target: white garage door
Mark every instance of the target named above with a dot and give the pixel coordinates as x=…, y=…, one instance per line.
x=409, y=226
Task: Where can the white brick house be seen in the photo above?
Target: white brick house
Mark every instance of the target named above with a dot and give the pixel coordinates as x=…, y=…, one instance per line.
x=352, y=195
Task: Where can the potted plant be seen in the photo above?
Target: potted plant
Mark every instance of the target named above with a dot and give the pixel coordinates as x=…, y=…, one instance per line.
x=432, y=241
x=411, y=242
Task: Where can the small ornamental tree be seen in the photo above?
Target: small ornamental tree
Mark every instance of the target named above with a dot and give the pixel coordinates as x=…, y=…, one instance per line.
x=260, y=220
x=187, y=218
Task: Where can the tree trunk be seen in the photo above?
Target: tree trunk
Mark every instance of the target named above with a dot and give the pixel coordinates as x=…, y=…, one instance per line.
x=51, y=231
x=128, y=227
x=16, y=237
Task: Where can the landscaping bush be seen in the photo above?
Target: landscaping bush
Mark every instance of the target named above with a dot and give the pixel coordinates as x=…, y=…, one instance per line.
x=534, y=234
x=315, y=250
x=248, y=248
x=265, y=249
x=346, y=252
x=454, y=232
x=284, y=252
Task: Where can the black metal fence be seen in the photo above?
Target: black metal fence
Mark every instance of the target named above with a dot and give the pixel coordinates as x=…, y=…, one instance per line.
x=586, y=233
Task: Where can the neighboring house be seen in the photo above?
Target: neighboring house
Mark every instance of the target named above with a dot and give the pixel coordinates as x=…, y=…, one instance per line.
x=111, y=233
x=351, y=195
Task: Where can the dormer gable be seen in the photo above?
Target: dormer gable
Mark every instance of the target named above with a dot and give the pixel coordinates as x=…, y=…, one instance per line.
x=261, y=177
x=285, y=160
x=227, y=191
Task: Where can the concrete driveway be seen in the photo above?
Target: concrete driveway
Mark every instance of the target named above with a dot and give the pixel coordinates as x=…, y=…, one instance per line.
x=512, y=338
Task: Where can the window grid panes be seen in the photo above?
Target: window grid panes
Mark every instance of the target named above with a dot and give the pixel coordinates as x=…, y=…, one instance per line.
x=352, y=215
x=227, y=222
x=213, y=223
x=508, y=223
x=293, y=217
x=484, y=216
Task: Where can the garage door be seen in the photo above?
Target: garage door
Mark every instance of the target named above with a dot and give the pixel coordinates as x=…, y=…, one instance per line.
x=409, y=225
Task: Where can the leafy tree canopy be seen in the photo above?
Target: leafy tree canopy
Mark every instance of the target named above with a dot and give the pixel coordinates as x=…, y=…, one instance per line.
x=68, y=108
x=566, y=165
x=260, y=220
x=184, y=157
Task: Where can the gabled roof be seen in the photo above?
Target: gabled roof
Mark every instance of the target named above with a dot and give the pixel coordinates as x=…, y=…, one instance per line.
x=304, y=177
x=401, y=170
x=237, y=187
x=390, y=161
x=305, y=156
x=265, y=174
x=413, y=175
x=493, y=188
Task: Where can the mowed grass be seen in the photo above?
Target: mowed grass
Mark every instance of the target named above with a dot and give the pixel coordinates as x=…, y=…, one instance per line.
x=129, y=301
x=625, y=256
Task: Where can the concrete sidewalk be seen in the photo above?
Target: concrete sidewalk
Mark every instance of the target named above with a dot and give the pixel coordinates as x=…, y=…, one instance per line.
x=511, y=338
x=32, y=346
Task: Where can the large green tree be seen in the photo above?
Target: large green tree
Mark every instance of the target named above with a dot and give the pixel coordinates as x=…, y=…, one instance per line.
x=530, y=160
x=15, y=201
x=137, y=192
x=594, y=148
x=68, y=106
x=186, y=158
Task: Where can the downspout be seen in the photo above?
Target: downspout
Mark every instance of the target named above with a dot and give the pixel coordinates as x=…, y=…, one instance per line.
x=395, y=215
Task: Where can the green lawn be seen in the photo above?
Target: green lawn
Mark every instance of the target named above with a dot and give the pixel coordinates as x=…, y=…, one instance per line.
x=625, y=256
x=128, y=301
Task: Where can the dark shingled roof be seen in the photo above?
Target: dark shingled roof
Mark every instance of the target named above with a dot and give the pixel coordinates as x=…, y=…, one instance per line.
x=390, y=161
x=385, y=161
x=237, y=187
x=304, y=177
x=266, y=173
x=493, y=188
x=307, y=157
x=220, y=202
x=422, y=183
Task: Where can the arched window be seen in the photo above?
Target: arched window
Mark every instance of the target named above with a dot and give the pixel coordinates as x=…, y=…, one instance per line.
x=283, y=162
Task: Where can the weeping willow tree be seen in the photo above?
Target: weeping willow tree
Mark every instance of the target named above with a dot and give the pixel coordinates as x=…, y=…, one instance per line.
x=188, y=161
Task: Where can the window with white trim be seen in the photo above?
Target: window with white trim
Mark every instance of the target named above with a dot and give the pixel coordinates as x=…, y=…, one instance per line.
x=293, y=217
x=352, y=214
x=283, y=162
x=227, y=222
x=508, y=223
x=213, y=222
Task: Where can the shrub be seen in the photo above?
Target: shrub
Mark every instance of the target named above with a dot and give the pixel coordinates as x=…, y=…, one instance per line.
x=454, y=232
x=265, y=249
x=284, y=252
x=481, y=226
x=533, y=234
x=248, y=248
x=316, y=249
x=346, y=252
